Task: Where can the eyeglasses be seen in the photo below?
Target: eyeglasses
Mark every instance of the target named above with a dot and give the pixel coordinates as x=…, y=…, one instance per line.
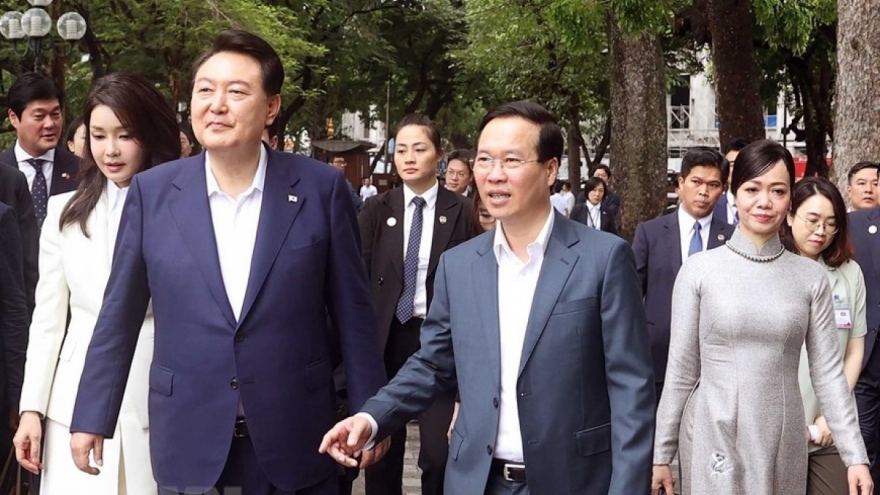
x=830, y=227
x=486, y=163
x=455, y=173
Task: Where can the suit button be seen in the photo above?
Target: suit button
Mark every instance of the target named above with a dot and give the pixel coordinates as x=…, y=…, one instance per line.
x=239, y=337
x=233, y=384
x=381, y=281
x=489, y=449
x=495, y=402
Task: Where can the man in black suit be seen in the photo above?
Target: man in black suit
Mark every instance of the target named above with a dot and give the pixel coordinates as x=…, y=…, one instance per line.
x=14, y=318
x=36, y=114
x=401, y=258
x=864, y=225
x=14, y=193
x=611, y=203
x=661, y=245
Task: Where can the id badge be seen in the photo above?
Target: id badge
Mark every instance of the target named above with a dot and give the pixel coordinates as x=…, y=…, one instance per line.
x=842, y=318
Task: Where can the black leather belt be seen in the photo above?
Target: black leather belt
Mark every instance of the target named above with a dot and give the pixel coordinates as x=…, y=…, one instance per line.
x=509, y=470
x=241, y=429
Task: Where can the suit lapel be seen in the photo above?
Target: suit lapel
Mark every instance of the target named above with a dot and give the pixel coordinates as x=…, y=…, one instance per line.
x=445, y=217
x=672, y=240
x=277, y=214
x=192, y=214
x=485, y=278
x=719, y=232
x=559, y=261
x=98, y=226
x=64, y=172
x=393, y=207
x=8, y=158
x=872, y=218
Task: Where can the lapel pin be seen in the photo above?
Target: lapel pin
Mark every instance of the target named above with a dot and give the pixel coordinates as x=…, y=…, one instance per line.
x=391, y=221
x=442, y=219
x=65, y=176
x=720, y=237
x=872, y=229
x=292, y=199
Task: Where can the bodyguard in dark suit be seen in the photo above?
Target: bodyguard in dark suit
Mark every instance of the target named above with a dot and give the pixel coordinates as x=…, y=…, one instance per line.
x=595, y=215
x=540, y=326
x=244, y=252
x=14, y=193
x=401, y=267
x=865, y=234
x=36, y=114
x=661, y=245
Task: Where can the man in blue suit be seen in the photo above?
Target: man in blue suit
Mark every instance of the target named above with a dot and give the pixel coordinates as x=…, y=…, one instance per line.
x=661, y=245
x=865, y=233
x=244, y=251
x=540, y=326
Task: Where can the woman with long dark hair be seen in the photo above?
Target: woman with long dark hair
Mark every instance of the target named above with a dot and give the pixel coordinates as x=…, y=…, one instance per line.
x=129, y=128
x=817, y=229
x=731, y=406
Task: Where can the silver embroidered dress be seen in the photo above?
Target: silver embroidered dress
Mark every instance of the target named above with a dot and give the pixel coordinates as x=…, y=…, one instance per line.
x=739, y=319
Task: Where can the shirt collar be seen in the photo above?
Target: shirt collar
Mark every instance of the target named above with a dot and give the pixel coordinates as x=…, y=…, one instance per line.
x=593, y=208
x=686, y=220
x=500, y=244
x=259, y=178
x=22, y=155
x=115, y=194
x=430, y=196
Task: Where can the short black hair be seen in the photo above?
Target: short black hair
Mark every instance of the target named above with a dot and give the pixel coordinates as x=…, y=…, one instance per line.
x=858, y=167
x=593, y=183
x=736, y=145
x=424, y=122
x=703, y=156
x=462, y=155
x=550, y=140
x=250, y=45
x=32, y=86
x=70, y=134
x=566, y=183
x=601, y=166
x=757, y=159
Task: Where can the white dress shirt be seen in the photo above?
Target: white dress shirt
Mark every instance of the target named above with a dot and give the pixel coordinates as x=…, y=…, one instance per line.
x=420, y=304
x=368, y=192
x=559, y=203
x=595, y=218
x=235, y=230
x=569, y=199
x=731, y=207
x=115, y=201
x=686, y=230
x=517, y=282
x=21, y=156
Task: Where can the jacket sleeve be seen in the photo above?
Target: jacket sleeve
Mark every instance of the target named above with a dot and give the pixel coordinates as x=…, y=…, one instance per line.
x=30, y=238
x=13, y=308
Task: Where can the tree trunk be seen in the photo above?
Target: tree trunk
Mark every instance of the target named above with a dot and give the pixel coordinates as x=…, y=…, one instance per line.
x=737, y=87
x=857, y=116
x=638, y=126
x=575, y=141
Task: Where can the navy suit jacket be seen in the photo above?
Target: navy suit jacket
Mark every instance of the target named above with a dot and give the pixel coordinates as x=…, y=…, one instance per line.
x=867, y=246
x=585, y=390
x=15, y=194
x=65, y=169
x=278, y=358
x=14, y=314
x=657, y=247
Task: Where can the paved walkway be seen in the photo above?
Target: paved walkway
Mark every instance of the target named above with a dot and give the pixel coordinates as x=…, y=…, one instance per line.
x=412, y=484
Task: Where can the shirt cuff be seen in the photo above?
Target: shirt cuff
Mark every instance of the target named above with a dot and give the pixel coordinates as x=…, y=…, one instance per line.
x=374, y=427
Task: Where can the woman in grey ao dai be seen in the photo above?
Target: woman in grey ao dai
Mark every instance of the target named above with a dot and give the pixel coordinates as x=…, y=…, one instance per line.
x=731, y=404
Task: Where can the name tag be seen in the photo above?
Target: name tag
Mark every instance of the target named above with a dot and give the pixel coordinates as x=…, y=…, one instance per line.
x=842, y=318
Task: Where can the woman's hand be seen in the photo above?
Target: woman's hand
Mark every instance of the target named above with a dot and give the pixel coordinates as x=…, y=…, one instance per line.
x=27, y=442
x=860, y=482
x=824, y=438
x=662, y=479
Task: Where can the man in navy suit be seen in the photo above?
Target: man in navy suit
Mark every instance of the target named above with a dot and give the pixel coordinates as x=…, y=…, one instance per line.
x=661, y=245
x=244, y=251
x=725, y=209
x=865, y=233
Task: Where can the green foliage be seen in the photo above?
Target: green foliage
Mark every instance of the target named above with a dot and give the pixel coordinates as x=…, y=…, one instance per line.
x=790, y=24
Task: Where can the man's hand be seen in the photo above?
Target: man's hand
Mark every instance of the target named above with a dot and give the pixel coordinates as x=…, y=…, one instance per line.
x=824, y=438
x=27, y=442
x=345, y=441
x=860, y=482
x=452, y=423
x=80, y=446
x=662, y=480
x=370, y=457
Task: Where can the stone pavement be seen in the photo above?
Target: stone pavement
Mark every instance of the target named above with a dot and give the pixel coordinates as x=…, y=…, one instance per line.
x=412, y=484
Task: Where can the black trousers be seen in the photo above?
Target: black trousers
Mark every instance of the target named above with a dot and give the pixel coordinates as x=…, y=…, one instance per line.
x=386, y=476
x=867, y=391
x=243, y=475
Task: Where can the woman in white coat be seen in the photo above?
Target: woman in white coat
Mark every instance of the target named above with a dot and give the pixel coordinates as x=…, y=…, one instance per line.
x=129, y=128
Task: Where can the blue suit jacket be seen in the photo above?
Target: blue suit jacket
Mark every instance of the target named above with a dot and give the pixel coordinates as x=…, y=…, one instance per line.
x=867, y=247
x=657, y=248
x=278, y=359
x=585, y=388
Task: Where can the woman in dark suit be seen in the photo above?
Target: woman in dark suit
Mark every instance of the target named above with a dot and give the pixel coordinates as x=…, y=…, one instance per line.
x=592, y=213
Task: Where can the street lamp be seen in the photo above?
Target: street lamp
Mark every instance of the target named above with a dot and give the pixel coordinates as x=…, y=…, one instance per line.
x=34, y=25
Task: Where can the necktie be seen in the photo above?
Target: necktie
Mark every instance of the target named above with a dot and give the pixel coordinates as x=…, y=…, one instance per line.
x=696, y=241
x=39, y=191
x=411, y=264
